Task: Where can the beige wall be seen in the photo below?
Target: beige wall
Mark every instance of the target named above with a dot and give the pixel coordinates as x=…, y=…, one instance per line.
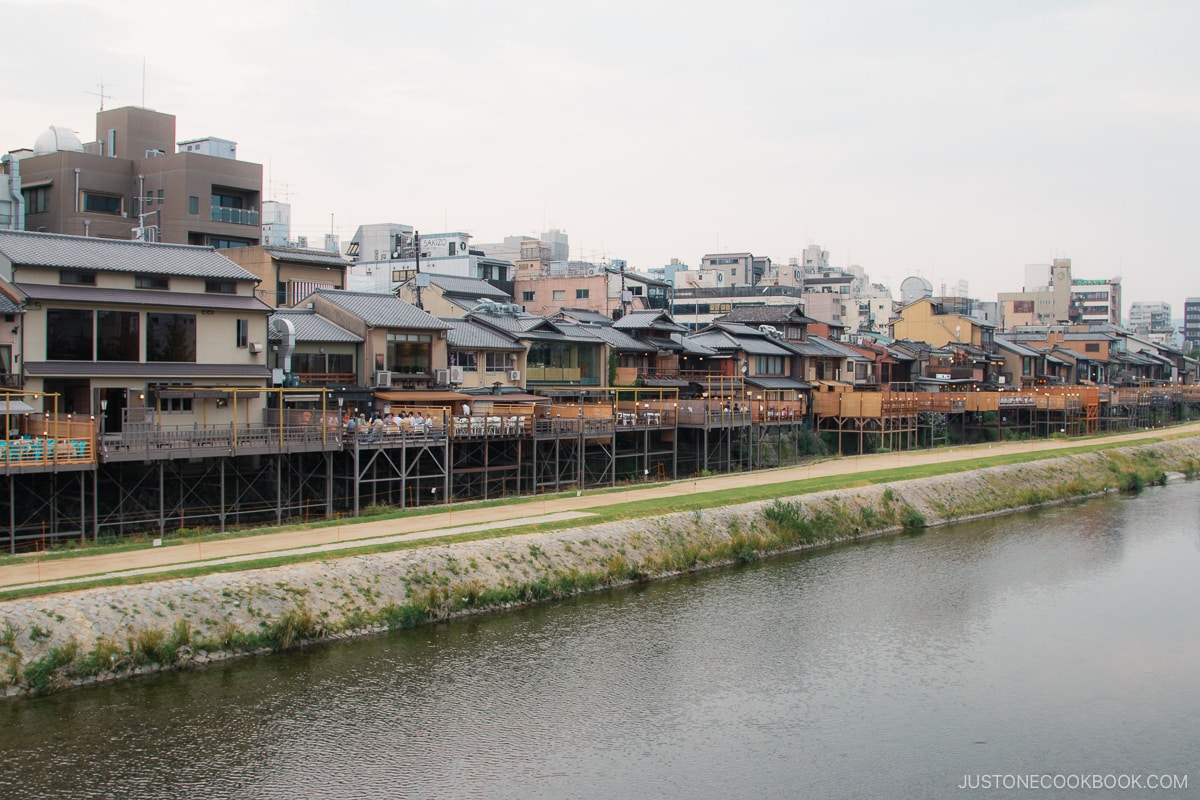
x=918, y=323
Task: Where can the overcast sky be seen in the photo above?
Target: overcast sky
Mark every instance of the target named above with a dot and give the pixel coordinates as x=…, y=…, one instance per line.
x=954, y=140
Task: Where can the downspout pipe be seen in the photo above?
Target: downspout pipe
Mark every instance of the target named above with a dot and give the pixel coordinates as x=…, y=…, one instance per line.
x=14, y=188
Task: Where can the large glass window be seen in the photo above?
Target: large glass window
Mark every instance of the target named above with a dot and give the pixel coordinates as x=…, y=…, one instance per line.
x=409, y=352
x=101, y=203
x=463, y=359
x=501, y=362
x=117, y=336
x=170, y=337
x=37, y=201
x=243, y=332
x=768, y=365
x=68, y=334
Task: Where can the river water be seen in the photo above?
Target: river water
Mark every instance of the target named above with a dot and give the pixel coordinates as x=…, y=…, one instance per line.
x=1061, y=643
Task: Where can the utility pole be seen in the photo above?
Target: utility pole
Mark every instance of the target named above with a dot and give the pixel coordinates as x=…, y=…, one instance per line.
x=417, y=276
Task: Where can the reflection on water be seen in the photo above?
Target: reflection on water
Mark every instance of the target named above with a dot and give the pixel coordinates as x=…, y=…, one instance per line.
x=1062, y=641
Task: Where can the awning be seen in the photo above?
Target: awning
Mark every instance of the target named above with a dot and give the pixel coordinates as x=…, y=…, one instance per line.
x=509, y=397
x=778, y=383
x=423, y=397
x=15, y=407
x=37, y=184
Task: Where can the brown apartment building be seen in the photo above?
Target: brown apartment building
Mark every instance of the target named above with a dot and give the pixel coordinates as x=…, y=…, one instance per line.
x=135, y=175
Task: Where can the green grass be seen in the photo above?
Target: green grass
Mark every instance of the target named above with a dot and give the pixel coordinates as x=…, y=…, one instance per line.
x=608, y=512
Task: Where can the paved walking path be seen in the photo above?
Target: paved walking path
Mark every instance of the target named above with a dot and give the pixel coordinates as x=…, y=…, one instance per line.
x=32, y=571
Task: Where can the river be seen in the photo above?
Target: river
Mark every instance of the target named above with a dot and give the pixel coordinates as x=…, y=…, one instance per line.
x=1055, y=646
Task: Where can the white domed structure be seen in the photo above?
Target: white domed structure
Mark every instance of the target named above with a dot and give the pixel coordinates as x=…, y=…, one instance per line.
x=914, y=288
x=57, y=138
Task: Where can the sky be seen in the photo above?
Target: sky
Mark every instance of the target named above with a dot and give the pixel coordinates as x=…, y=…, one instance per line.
x=952, y=140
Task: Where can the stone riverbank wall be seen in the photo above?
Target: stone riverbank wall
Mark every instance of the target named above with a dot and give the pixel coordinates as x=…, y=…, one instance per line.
x=61, y=640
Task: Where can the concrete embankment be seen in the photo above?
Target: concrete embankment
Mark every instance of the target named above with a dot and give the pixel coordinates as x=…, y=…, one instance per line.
x=59, y=640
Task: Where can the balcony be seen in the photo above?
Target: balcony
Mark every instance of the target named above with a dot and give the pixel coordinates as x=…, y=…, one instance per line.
x=236, y=216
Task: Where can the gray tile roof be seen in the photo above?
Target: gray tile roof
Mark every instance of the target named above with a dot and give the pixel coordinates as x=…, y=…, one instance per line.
x=513, y=323
x=766, y=315
x=618, y=339
x=584, y=315
x=777, y=383
x=117, y=255
x=310, y=327
x=691, y=347
x=648, y=319
x=322, y=257
x=140, y=297
x=8, y=306
x=382, y=310
x=465, y=335
x=471, y=287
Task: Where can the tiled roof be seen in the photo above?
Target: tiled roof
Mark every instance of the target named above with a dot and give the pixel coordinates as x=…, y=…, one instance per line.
x=471, y=287
x=464, y=334
x=310, y=327
x=612, y=336
x=514, y=323
x=8, y=306
x=584, y=315
x=765, y=315
x=139, y=297
x=692, y=347
x=117, y=255
x=382, y=310
x=322, y=257
x=648, y=319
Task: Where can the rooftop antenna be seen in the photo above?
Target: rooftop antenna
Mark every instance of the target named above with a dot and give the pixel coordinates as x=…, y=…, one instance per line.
x=100, y=94
x=143, y=80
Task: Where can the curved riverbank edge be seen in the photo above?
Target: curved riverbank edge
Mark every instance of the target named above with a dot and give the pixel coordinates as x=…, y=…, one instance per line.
x=54, y=642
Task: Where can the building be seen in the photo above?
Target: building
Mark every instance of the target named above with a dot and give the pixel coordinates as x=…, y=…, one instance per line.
x=1062, y=300
x=132, y=182
x=402, y=345
x=288, y=275
x=732, y=269
x=1191, y=323
x=112, y=326
x=603, y=289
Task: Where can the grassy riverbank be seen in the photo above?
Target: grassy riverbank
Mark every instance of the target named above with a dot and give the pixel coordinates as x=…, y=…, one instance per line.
x=53, y=641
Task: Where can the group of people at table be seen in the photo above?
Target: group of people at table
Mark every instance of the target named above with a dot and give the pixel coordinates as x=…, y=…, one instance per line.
x=380, y=425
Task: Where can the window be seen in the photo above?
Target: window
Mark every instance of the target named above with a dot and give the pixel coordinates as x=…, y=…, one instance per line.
x=581, y=294
x=77, y=278
x=409, y=353
x=464, y=360
x=160, y=196
x=527, y=296
x=220, y=287
x=37, y=201
x=1027, y=366
x=68, y=334
x=117, y=336
x=169, y=404
x=768, y=365
x=171, y=337
x=101, y=203
x=193, y=204
x=1091, y=347
x=559, y=294
x=227, y=200
x=501, y=362
x=636, y=291
x=226, y=244
x=151, y=282
x=243, y=333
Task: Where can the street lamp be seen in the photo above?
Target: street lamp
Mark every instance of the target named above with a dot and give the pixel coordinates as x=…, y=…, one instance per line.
x=103, y=414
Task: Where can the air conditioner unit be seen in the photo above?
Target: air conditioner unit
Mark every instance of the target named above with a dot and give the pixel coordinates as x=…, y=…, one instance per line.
x=383, y=378
x=514, y=375
x=441, y=376
x=456, y=374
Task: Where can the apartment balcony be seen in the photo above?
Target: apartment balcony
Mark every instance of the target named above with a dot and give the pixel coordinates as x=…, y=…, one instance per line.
x=236, y=216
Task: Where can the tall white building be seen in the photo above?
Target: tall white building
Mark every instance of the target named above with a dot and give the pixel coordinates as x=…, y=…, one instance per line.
x=276, y=223
x=1148, y=317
